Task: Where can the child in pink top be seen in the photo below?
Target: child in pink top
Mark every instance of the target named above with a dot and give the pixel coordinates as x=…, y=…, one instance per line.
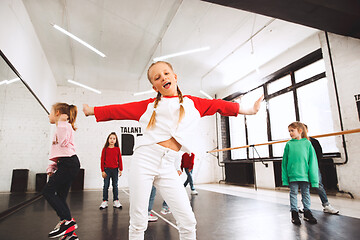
x=63, y=168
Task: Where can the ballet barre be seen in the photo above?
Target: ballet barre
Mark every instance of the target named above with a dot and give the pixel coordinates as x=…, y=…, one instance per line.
x=281, y=141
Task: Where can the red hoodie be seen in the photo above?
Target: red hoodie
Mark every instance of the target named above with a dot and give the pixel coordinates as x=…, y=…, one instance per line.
x=187, y=161
x=111, y=158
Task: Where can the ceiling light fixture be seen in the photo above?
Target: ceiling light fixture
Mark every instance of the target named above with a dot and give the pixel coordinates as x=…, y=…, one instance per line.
x=78, y=39
x=205, y=94
x=84, y=86
x=144, y=92
x=9, y=81
x=181, y=53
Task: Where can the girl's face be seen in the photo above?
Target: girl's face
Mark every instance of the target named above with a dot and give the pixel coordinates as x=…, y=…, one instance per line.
x=53, y=117
x=295, y=133
x=112, y=140
x=163, y=79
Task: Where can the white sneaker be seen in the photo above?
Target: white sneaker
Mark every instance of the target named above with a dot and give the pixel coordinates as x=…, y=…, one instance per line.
x=104, y=205
x=152, y=218
x=117, y=204
x=330, y=209
x=165, y=211
x=194, y=192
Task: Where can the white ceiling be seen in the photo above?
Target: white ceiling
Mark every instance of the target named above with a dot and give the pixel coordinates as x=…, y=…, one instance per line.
x=132, y=32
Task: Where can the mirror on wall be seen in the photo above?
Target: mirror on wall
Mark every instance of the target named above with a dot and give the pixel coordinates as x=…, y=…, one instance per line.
x=24, y=135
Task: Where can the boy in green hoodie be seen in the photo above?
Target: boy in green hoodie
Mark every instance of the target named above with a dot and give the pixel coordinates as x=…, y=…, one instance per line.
x=299, y=169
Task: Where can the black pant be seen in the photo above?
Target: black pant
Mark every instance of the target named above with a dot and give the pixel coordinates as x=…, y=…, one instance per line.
x=58, y=186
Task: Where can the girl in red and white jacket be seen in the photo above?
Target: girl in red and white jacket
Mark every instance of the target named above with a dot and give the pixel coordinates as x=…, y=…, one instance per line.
x=169, y=122
x=111, y=167
x=63, y=168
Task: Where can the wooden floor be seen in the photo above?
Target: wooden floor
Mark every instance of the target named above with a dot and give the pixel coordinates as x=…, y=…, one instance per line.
x=220, y=216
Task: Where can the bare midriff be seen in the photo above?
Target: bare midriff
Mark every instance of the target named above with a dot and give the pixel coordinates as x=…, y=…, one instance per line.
x=171, y=143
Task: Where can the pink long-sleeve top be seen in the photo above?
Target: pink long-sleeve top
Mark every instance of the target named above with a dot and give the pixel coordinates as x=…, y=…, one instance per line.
x=63, y=141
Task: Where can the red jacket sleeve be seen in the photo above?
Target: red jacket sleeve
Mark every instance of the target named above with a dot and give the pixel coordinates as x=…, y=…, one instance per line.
x=120, y=161
x=207, y=107
x=126, y=111
x=102, y=162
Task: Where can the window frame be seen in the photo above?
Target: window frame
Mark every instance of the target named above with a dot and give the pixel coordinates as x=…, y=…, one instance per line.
x=287, y=70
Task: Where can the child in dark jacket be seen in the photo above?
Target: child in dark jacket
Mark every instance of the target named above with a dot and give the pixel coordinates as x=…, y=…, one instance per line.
x=321, y=190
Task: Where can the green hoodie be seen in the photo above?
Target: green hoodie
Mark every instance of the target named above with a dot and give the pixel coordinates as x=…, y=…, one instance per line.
x=299, y=163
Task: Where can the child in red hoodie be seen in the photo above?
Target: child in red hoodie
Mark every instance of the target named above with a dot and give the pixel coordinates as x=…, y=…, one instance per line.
x=187, y=163
x=111, y=167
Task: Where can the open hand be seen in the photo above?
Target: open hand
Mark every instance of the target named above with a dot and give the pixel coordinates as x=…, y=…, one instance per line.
x=257, y=104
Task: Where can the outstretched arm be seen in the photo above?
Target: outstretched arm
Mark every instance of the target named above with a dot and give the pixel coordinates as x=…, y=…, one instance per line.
x=254, y=109
x=88, y=110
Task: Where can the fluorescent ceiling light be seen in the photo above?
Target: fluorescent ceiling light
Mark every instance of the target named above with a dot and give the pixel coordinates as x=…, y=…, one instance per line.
x=84, y=86
x=145, y=92
x=205, y=94
x=181, y=53
x=9, y=81
x=78, y=39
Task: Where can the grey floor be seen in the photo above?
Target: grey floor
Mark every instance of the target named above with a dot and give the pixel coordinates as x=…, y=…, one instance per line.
x=219, y=216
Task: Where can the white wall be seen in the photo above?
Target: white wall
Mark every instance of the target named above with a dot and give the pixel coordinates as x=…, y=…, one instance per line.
x=345, y=53
x=24, y=135
x=20, y=44
x=91, y=136
x=25, y=128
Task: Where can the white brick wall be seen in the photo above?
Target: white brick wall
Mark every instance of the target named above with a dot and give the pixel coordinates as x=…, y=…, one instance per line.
x=24, y=134
x=346, y=59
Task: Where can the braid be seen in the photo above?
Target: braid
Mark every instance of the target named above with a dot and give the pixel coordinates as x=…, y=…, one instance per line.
x=152, y=119
x=181, y=100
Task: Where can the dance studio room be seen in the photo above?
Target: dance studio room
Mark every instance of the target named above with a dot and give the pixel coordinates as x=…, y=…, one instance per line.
x=179, y=119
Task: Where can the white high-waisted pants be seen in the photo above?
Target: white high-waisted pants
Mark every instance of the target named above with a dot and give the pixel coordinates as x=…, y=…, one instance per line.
x=150, y=165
